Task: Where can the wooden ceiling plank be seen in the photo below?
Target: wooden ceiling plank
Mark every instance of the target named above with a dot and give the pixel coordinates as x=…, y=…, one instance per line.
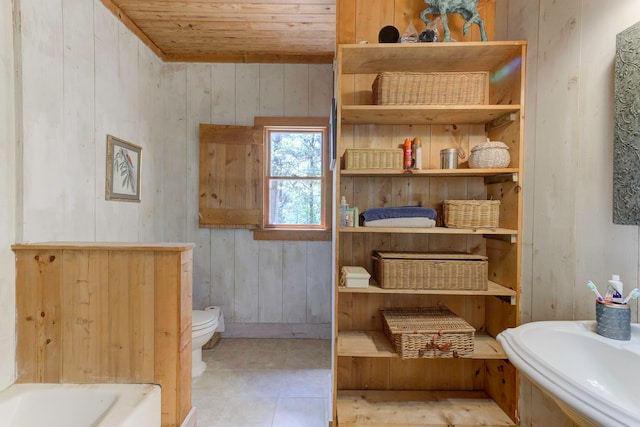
x=224, y=25
x=245, y=57
x=226, y=7
x=229, y=17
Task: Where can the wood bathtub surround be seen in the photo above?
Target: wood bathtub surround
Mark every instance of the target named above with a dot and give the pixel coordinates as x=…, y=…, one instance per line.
x=107, y=312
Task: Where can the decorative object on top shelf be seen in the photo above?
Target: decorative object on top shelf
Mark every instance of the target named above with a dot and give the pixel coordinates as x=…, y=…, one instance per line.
x=489, y=155
x=389, y=34
x=467, y=8
x=428, y=332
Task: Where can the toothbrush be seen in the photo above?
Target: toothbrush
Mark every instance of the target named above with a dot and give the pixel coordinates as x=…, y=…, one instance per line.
x=632, y=295
x=592, y=286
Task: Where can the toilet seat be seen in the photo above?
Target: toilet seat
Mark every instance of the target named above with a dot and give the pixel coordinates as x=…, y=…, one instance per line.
x=201, y=319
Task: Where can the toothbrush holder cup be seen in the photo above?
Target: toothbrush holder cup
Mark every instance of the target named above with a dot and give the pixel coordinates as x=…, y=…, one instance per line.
x=613, y=321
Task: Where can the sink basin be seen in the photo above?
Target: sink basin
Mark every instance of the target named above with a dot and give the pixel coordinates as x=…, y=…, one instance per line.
x=593, y=379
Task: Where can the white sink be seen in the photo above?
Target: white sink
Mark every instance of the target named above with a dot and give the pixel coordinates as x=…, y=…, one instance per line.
x=593, y=379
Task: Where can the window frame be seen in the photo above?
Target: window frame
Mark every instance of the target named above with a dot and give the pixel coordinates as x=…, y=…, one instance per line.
x=297, y=232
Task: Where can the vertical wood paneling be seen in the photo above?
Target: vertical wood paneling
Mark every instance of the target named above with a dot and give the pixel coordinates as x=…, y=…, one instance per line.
x=272, y=89
x=320, y=89
x=318, y=282
x=247, y=84
x=271, y=292
x=43, y=170
x=39, y=326
x=198, y=111
x=294, y=278
x=78, y=62
x=223, y=269
x=175, y=151
x=223, y=94
x=8, y=184
x=246, y=282
x=150, y=218
x=85, y=316
x=296, y=95
x=556, y=132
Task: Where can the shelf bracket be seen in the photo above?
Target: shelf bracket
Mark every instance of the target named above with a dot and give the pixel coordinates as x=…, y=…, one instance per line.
x=499, y=179
x=502, y=120
x=509, y=238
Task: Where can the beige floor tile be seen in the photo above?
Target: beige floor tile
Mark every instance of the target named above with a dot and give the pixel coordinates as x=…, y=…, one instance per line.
x=264, y=382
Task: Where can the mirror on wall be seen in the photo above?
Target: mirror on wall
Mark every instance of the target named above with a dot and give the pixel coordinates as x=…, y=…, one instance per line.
x=626, y=139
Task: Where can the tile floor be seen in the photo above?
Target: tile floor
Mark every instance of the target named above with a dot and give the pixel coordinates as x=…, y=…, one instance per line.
x=264, y=383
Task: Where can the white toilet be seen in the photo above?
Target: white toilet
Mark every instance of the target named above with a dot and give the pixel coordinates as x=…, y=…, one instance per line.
x=204, y=324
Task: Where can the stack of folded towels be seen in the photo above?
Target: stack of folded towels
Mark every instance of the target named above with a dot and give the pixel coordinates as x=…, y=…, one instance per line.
x=406, y=216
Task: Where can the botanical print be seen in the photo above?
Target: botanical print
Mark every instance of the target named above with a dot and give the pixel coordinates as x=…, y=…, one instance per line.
x=123, y=167
x=123, y=170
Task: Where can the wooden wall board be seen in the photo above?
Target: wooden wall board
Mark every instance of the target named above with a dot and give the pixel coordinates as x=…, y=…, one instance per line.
x=94, y=315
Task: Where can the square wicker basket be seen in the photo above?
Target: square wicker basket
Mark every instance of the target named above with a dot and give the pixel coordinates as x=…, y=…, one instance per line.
x=428, y=332
x=411, y=270
x=470, y=88
x=372, y=158
x=471, y=213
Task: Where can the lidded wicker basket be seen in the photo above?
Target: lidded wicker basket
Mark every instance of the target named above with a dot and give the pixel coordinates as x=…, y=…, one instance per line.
x=490, y=154
x=428, y=332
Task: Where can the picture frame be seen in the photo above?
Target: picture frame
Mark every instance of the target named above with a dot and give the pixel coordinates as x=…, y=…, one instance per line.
x=124, y=161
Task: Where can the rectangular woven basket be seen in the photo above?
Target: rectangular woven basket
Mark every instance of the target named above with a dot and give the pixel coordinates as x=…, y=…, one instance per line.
x=428, y=332
x=372, y=158
x=469, y=88
x=471, y=213
x=410, y=270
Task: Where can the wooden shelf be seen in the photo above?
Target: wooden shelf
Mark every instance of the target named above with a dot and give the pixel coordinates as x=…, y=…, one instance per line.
x=432, y=230
x=431, y=172
x=426, y=58
x=376, y=344
x=494, y=289
x=423, y=114
x=418, y=408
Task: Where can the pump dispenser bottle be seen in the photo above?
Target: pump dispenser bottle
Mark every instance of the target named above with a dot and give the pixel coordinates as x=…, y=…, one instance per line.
x=615, y=289
x=344, y=207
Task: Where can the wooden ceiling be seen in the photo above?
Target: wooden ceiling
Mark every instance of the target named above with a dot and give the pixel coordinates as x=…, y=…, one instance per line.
x=273, y=31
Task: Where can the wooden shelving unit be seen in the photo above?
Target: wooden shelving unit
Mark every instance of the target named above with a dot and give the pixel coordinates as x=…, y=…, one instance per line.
x=373, y=386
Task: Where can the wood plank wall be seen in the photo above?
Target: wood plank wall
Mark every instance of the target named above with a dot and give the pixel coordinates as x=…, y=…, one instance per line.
x=361, y=20
x=107, y=315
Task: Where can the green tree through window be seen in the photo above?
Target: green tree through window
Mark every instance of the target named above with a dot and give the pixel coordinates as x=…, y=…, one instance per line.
x=295, y=177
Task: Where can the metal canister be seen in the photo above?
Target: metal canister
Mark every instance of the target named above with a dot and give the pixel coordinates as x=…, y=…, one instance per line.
x=449, y=158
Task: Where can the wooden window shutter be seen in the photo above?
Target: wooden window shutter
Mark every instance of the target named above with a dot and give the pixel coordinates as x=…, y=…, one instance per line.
x=231, y=174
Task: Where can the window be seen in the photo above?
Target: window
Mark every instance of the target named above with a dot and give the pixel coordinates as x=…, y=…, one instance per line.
x=272, y=177
x=294, y=178
x=296, y=188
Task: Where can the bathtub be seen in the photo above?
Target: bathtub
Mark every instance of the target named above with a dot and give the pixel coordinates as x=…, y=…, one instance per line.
x=80, y=405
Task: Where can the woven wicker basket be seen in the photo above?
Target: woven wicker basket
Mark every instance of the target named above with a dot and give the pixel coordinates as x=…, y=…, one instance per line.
x=490, y=154
x=410, y=270
x=372, y=158
x=471, y=213
x=431, y=88
x=428, y=332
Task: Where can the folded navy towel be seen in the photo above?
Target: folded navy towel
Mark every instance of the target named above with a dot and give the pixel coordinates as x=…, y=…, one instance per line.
x=401, y=212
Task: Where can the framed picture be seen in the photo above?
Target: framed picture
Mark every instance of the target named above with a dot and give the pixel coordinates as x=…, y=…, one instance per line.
x=123, y=170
